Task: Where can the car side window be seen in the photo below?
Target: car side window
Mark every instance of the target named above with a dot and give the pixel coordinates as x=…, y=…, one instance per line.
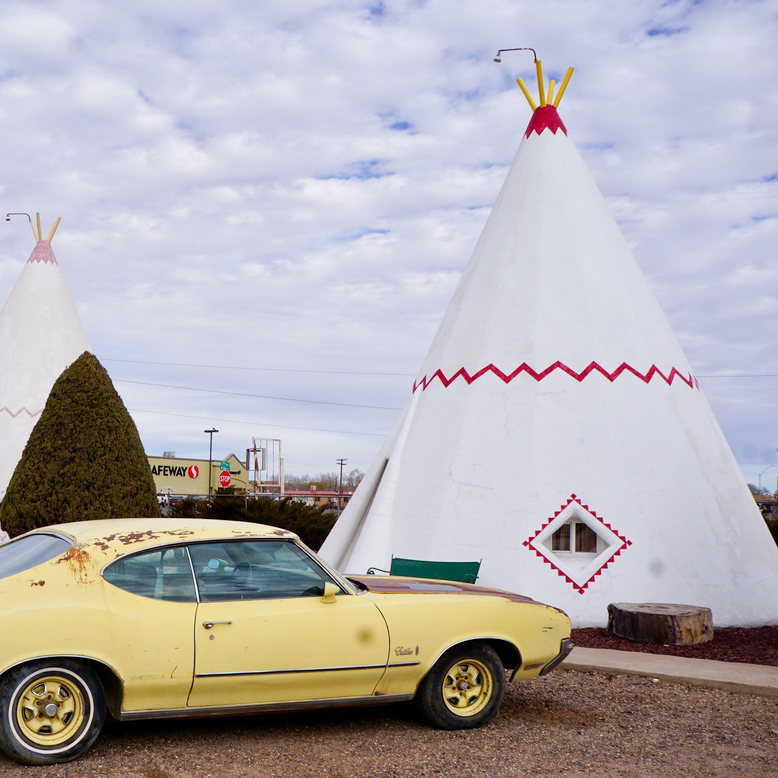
x=30, y=551
x=162, y=574
x=254, y=570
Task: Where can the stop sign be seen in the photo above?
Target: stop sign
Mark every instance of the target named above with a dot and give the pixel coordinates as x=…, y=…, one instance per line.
x=225, y=479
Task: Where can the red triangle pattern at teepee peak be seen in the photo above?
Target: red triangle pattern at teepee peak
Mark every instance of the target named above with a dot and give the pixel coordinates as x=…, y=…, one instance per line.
x=42, y=253
x=545, y=117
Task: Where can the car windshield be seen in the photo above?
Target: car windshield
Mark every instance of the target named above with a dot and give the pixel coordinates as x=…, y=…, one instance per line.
x=249, y=570
x=30, y=551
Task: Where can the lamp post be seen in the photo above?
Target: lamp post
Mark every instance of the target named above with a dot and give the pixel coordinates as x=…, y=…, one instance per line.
x=341, y=462
x=210, y=457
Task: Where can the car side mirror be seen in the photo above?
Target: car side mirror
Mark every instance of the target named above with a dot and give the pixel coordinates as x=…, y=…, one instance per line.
x=330, y=591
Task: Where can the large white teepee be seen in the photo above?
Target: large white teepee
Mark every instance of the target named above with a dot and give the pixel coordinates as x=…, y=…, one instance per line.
x=40, y=335
x=556, y=431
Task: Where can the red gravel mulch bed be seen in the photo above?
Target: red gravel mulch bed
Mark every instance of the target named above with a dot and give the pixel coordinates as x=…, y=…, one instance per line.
x=755, y=645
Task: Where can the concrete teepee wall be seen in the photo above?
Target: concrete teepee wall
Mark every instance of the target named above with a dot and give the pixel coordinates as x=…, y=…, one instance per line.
x=556, y=430
x=40, y=335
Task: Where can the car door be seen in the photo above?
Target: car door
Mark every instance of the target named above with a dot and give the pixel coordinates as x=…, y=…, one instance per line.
x=151, y=599
x=264, y=633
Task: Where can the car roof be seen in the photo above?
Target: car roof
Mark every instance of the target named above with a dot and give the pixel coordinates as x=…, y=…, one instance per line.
x=131, y=534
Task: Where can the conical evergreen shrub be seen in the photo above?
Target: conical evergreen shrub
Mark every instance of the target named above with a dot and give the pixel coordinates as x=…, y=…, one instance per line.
x=83, y=460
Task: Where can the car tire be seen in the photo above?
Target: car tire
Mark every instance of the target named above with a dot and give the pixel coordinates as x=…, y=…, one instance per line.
x=50, y=711
x=463, y=689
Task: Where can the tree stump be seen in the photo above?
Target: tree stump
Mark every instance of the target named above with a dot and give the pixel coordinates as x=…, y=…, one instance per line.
x=664, y=623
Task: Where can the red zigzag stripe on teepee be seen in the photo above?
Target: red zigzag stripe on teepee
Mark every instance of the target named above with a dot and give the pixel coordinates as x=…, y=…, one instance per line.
x=689, y=380
x=13, y=415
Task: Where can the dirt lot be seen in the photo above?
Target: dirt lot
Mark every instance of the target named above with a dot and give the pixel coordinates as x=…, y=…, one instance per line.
x=568, y=724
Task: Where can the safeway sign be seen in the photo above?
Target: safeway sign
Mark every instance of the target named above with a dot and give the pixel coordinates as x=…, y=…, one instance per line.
x=225, y=479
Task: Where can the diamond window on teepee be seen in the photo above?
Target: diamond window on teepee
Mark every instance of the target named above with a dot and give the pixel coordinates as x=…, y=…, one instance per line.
x=577, y=543
x=575, y=537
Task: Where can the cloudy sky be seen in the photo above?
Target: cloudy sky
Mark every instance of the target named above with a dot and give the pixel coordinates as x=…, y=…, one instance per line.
x=267, y=206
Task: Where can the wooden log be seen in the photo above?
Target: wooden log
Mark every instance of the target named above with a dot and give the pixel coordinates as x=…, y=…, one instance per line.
x=663, y=623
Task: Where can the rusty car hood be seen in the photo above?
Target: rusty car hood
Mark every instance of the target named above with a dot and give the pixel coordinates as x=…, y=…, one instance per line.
x=387, y=584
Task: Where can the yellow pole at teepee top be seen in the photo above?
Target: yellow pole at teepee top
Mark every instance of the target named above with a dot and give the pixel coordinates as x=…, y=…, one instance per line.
x=38, y=231
x=526, y=93
x=562, y=87
x=53, y=229
x=541, y=88
x=544, y=101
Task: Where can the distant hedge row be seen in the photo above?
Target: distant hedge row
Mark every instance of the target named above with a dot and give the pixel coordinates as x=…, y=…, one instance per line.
x=311, y=524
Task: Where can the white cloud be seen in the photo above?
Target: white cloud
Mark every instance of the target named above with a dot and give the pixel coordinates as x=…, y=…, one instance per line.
x=297, y=187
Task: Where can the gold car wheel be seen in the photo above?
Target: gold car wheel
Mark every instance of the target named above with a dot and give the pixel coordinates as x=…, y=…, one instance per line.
x=50, y=710
x=464, y=688
x=467, y=687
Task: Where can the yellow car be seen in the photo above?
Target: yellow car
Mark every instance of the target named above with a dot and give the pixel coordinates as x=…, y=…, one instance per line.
x=165, y=618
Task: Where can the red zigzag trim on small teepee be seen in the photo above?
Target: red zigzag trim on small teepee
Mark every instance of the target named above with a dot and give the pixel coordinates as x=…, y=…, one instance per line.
x=689, y=380
x=13, y=415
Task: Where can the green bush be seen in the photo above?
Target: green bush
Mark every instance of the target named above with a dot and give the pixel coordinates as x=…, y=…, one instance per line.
x=83, y=460
x=772, y=525
x=311, y=524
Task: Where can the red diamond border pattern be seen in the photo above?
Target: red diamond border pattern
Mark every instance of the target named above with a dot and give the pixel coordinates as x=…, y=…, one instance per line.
x=578, y=587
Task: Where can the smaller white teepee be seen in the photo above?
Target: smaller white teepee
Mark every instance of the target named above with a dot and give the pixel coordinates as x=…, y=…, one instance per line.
x=40, y=335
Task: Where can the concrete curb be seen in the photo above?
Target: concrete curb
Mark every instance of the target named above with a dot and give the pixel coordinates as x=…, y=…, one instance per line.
x=730, y=676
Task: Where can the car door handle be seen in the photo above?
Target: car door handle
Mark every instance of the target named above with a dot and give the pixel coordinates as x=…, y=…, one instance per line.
x=211, y=624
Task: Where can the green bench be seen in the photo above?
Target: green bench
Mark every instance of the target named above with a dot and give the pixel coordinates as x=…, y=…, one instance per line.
x=467, y=572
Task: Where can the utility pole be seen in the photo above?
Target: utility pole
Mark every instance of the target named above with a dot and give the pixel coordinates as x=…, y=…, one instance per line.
x=210, y=458
x=763, y=472
x=341, y=462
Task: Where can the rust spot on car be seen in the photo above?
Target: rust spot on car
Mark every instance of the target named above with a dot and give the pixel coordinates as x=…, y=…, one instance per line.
x=79, y=561
x=37, y=583
x=128, y=538
x=136, y=537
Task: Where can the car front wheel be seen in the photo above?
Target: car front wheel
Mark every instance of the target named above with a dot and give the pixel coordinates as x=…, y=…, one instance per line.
x=51, y=712
x=464, y=688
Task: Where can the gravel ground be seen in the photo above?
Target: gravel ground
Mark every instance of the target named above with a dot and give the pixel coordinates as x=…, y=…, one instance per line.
x=569, y=724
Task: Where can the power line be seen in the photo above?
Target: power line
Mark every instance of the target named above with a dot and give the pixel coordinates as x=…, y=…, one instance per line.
x=259, y=396
x=256, y=424
x=261, y=369
x=354, y=372
x=741, y=375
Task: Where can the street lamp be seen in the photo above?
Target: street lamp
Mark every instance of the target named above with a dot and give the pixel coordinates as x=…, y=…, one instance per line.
x=763, y=472
x=210, y=457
